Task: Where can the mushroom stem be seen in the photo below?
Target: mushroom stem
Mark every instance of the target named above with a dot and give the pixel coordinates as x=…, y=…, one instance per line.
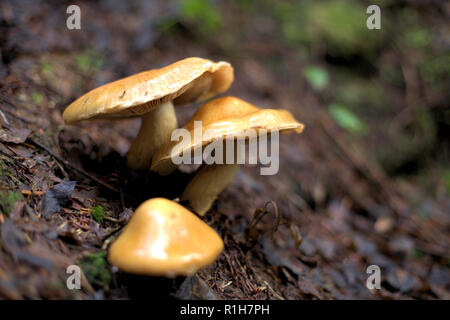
x=156, y=129
x=206, y=185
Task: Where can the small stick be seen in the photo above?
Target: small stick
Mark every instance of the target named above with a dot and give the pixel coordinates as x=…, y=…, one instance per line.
x=5, y=119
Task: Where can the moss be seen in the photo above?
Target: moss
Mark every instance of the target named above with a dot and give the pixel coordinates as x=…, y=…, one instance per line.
x=417, y=254
x=96, y=269
x=2, y=167
x=417, y=38
x=98, y=213
x=339, y=25
x=7, y=201
x=411, y=33
x=247, y=5
x=346, y=118
x=47, y=68
x=37, y=97
x=88, y=61
x=202, y=13
x=435, y=71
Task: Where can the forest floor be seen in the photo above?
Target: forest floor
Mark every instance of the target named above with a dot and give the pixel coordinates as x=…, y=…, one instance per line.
x=65, y=191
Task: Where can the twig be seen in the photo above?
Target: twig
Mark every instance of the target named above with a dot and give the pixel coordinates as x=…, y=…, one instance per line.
x=15, y=164
x=412, y=85
x=273, y=291
x=4, y=117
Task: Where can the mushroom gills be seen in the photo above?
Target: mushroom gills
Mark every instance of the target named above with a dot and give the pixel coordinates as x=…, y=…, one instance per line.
x=156, y=129
x=207, y=184
x=196, y=89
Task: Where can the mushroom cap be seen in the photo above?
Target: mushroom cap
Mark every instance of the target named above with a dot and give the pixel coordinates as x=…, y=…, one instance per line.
x=187, y=80
x=228, y=116
x=163, y=238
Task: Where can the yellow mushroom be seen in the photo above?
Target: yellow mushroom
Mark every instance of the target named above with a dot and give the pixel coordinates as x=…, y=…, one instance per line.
x=163, y=238
x=152, y=96
x=221, y=118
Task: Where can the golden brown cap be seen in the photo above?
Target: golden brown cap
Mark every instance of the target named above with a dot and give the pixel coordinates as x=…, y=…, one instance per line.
x=228, y=116
x=164, y=239
x=187, y=80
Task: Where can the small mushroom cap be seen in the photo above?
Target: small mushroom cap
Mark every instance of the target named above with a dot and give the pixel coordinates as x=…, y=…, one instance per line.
x=228, y=116
x=163, y=238
x=188, y=80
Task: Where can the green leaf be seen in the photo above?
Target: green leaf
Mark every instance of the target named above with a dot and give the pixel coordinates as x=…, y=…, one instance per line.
x=345, y=118
x=316, y=76
x=89, y=60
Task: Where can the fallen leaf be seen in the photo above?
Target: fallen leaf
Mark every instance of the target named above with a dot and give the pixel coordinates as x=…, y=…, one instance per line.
x=56, y=197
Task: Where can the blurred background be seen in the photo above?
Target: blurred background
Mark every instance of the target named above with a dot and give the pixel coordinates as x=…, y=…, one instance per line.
x=368, y=182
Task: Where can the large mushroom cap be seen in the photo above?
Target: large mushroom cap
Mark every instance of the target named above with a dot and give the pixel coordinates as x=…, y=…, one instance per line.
x=187, y=80
x=164, y=239
x=228, y=116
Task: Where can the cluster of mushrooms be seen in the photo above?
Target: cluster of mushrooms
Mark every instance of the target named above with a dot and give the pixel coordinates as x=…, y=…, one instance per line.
x=163, y=238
